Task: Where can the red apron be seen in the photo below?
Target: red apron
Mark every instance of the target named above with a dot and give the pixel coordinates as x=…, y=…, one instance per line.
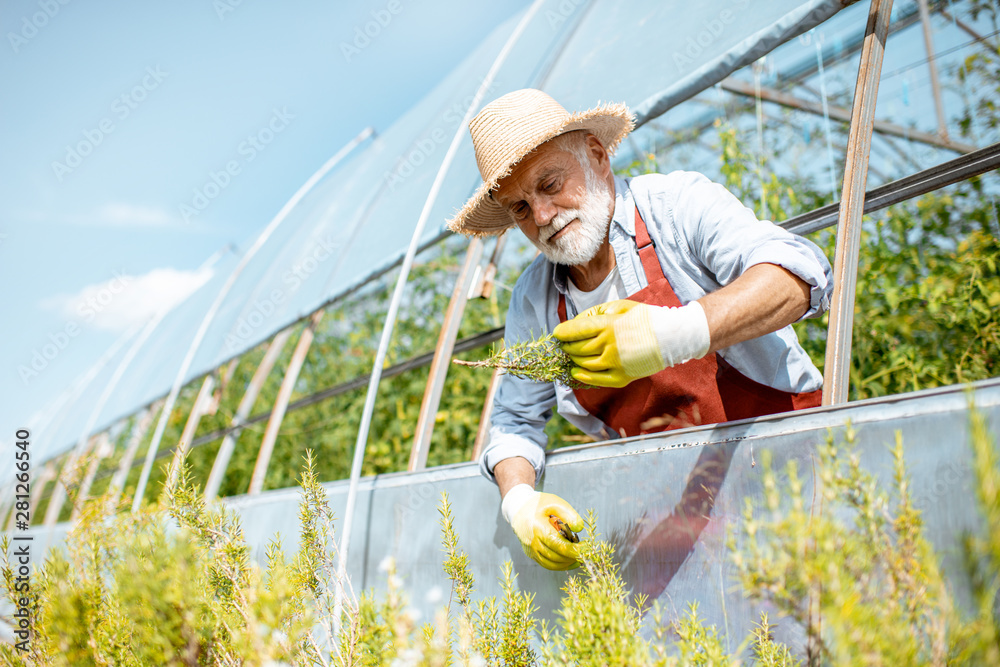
x=700, y=391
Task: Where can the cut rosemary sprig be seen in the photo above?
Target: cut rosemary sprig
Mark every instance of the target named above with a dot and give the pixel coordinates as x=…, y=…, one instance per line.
x=542, y=360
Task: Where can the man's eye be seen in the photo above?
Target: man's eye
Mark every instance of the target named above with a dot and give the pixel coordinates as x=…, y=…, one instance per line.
x=520, y=210
x=550, y=186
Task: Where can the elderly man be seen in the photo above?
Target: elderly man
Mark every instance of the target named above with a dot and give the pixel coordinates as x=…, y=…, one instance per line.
x=672, y=299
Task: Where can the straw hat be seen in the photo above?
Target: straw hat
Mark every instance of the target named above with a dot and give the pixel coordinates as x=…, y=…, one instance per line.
x=509, y=128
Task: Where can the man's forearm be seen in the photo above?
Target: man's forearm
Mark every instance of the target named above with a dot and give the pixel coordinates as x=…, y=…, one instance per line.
x=765, y=298
x=513, y=471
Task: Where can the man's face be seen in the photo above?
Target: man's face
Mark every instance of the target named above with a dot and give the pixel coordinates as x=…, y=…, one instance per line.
x=562, y=209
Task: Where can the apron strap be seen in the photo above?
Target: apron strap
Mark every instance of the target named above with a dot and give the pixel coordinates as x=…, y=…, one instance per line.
x=647, y=251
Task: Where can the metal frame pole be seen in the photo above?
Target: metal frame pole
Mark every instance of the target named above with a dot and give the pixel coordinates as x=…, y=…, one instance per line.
x=243, y=411
x=442, y=356
x=836, y=376
x=63, y=405
x=281, y=404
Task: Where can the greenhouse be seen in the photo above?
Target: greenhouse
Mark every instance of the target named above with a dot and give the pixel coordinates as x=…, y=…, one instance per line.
x=866, y=526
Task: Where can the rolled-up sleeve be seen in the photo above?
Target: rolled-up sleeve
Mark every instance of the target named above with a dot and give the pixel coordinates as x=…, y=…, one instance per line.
x=522, y=407
x=727, y=238
x=517, y=427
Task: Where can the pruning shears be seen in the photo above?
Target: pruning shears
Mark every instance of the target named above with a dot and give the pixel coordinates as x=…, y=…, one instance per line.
x=564, y=529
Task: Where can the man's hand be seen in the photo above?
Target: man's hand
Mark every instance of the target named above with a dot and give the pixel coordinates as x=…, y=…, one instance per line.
x=530, y=513
x=617, y=342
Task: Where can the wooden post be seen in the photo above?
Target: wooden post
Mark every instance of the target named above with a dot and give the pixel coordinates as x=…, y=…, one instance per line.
x=101, y=449
x=58, y=496
x=201, y=405
x=442, y=356
x=483, y=433
x=135, y=438
x=836, y=377
x=281, y=404
x=486, y=280
x=243, y=411
x=37, y=486
x=925, y=19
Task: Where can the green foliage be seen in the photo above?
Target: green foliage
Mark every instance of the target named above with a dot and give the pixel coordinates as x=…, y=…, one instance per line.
x=138, y=589
x=927, y=310
x=598, y=625
x=927, y=304
x=173, y=585
x=868, y=592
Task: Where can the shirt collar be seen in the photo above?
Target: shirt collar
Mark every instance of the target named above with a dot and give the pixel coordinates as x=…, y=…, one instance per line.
x=622, y=221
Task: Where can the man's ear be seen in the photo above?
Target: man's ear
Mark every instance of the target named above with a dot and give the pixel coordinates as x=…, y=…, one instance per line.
x=596, y=150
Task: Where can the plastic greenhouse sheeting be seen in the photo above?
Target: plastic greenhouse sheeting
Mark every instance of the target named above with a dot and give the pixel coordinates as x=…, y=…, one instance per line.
x=358, y=219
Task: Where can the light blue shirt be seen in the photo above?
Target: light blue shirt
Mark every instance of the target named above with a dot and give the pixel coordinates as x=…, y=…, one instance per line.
x=705, y=238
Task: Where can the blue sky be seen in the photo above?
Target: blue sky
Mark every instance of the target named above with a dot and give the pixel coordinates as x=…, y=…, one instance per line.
x=116, y=115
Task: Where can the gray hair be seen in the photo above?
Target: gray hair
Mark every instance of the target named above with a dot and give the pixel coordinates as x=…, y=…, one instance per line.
x=575, y=143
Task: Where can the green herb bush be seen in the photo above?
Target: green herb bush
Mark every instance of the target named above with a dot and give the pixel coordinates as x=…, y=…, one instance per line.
x=174, y=585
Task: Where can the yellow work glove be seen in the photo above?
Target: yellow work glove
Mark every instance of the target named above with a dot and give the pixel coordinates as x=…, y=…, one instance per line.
x=534, y=517
x=620, y=341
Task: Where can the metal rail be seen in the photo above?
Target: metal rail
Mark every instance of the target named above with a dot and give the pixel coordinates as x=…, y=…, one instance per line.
x=790, y=101
x=836, y=371
x=939, y=176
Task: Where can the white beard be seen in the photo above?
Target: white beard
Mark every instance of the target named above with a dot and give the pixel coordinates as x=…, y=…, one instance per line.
x=579, y=245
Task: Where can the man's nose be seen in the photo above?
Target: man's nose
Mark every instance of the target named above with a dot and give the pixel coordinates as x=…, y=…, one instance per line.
x=544, y=211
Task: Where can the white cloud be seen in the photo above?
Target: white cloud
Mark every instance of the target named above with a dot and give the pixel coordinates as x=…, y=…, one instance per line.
x=120, y=214
x=111, y=214
x=124, y=300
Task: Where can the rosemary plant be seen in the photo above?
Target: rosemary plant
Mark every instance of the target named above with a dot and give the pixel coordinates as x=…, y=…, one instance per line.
x=541, y=359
